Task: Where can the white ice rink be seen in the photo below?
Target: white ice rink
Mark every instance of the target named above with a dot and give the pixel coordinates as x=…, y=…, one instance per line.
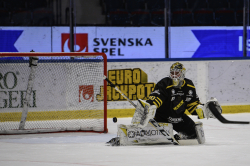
x=226, y=145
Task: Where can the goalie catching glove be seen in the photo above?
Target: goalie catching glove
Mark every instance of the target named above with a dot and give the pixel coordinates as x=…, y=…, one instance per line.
x=143, y=112
x=203, y=111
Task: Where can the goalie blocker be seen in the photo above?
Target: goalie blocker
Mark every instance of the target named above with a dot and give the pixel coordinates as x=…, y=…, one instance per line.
x=205, y=111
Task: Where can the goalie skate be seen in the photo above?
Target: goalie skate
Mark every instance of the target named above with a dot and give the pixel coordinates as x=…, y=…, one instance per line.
x=114, y=141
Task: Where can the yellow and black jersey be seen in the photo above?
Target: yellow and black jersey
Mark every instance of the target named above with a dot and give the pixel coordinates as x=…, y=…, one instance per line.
x=172, y=102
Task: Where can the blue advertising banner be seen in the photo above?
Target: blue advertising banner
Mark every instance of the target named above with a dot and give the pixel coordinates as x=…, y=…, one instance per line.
x=205, y=42
x=8, y=39
x=128, y=42
x=219, y=43
x=25, y=39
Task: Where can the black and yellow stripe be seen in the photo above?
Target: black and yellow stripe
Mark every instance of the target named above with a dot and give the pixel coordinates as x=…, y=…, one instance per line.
x=179, y=105
x=184, y=82
x=169, y=86
x=191, y=86
x=156, y=101
x=191, y=107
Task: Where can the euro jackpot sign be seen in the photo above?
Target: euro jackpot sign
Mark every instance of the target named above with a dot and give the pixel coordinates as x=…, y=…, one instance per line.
x=132, y=82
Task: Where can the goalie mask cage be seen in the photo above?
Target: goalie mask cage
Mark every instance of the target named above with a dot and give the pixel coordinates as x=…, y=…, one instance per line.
x=52, y=92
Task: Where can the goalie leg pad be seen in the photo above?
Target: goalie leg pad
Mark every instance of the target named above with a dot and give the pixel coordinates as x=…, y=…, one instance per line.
x=143, y=112
x=130, y=135
x=200, y=132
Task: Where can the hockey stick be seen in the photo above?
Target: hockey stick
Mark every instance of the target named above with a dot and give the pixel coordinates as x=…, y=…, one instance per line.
x=213, y=109
x=152, y=121
x=118, y=90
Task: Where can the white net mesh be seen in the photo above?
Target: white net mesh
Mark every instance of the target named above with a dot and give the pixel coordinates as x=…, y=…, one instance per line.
x=67, y=94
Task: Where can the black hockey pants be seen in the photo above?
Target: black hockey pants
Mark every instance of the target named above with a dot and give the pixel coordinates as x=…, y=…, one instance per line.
x=187, y=126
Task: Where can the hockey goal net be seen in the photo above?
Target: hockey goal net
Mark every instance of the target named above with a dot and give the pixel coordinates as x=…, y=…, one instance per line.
x=52, y=92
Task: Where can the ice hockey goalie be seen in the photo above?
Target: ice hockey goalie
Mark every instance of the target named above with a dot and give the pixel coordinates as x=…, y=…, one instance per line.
x=167, y=105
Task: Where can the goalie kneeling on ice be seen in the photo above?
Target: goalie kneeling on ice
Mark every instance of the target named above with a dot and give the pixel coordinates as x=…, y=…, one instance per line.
x=128, y=135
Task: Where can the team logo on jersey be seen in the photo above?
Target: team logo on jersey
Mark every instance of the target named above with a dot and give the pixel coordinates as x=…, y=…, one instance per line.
x=81, y=42
x=190, y=92
x=181, y=94
x=86, y=92
x=175, y=120
x=188, y=99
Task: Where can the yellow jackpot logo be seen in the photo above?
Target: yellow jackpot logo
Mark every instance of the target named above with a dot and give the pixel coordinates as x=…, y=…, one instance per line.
x=132, y=82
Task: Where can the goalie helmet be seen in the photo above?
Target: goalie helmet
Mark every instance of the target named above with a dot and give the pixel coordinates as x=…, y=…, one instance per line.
x=177, y=73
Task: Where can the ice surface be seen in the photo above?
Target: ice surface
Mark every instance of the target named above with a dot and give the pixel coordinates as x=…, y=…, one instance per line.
x=226, y=145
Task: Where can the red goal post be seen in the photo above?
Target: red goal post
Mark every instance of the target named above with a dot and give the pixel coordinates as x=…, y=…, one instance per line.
x=53, y=92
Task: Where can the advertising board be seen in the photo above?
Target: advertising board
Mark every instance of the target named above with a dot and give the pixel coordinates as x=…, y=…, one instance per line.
x=25, y=39
x=128, y=42
x=206, y=42
x=115, y=42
